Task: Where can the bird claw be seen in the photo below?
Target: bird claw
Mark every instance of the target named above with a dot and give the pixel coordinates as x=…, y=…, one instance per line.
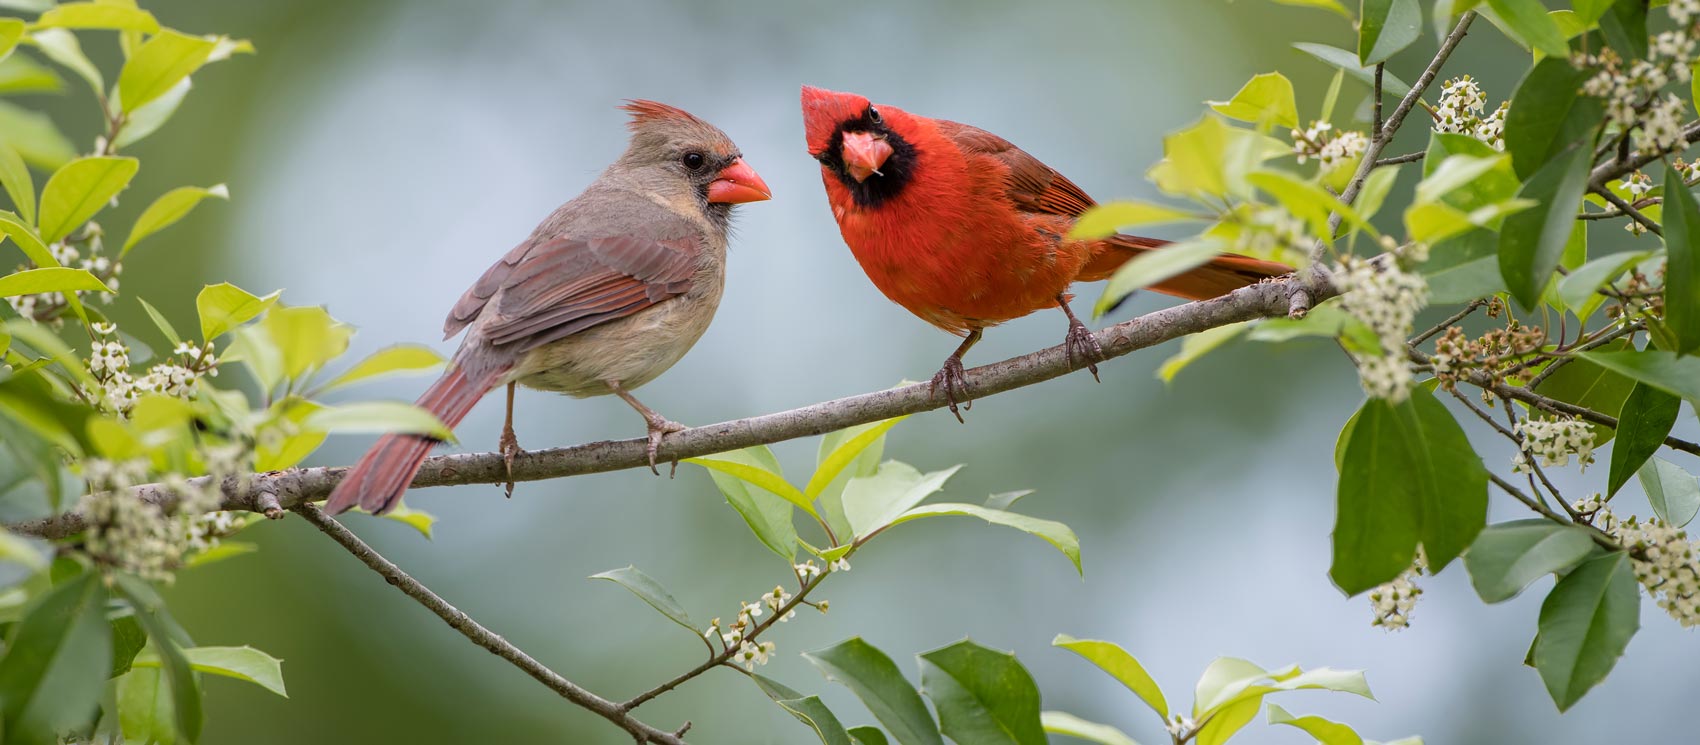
x=509, y=447
x=952, y=378
x=1081, y=344
x=660, y=427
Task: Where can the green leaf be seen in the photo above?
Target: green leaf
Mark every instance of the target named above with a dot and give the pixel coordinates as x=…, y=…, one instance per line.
x=1064, y=723
x=1682, y=263
x=1588, y=12
x=79, y=190
x=1643, y=423
x=1229, y=681
x=1332, y=6
x=168, y=209
x=875, y=679
x=225, y=306
x=1549, y=115
x=15, y=176
x=51, y=279
x=1054, y=533
x=1531, y=242
x=983, y=696
x=768, y=514
x=873, y=502
x=399, y=359
x=98, y=15
x=1673, y=492
x=128, y=638
x=1325, y=320
x=224, y=550
x=166, y=637
x=1385, y=27
x=1112, y=659
x=1590, y=386
x=1348, y=62
x=868, y=736
x=844, y=455
x=1197, y=345
x=419, y=520
x=1579, y=290
x=159, y=322
x=650, y=591
x=56, y=662
x=35, y=137
x=1325, y=731
x=21, y=74
x=1227, y=721
x=62, y=47
x=1586, y=622
x=379, y=417
x=1376, y=188
x=1532, y=27
x=769, y=480
x=1308, y=201
x=149, y=118
x=1211, y=158
x=1104, y=220
x=145, y=708
x=807, y=709
x=1005, y=500
x=1506, y=557
x=1625, y=29
x=11, y=30
x=242, y=663
x=1152, y=267
x=1265, y=99
x=160, y=63
x=306, y=336
x=1678, y=376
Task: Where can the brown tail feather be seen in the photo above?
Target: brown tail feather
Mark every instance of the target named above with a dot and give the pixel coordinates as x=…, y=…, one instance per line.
x=1222, y=275
x=376, y=483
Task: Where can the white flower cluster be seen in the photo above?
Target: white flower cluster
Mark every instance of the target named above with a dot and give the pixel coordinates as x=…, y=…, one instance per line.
x=1661, y=130
x=1394, y=601
x=1386, y=298
x=739, y=636
x=1331, y=149
x=1553, y=441
x=139, y=537
x=1632, y=91
x=1462, y=102
x=1664, y=560
x=44, y=307
x=117, y=388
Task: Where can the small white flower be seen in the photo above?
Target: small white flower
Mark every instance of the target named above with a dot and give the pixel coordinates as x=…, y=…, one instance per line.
x=1554, y=441
x=841, y=565
x=1393, y=602
x=751, y=610
x=807, y=569
x=776, y=598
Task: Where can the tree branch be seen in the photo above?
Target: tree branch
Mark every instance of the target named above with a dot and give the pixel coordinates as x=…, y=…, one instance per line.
x=289, y=488
x=483, y=637
x=1625, y=208
x=1616, y=168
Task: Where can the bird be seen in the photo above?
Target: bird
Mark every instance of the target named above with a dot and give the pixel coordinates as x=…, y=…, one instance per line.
x=966, y=231
x=606, y=294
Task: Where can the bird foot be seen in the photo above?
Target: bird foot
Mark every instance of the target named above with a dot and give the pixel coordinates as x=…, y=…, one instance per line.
x=1081, y=344
x=510, y=449
x=955, y=383
x=659, y=427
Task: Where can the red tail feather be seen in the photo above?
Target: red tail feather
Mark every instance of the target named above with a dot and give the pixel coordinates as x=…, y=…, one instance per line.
x=376, y=483
x=1222, y=275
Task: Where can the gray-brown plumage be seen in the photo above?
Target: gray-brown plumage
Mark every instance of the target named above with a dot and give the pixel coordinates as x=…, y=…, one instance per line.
x=607, y=293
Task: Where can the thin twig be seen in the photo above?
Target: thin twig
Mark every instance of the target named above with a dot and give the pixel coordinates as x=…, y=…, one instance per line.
x=1628, y=209
x=1380, y=68
x=1398, y=159
x=1443, y=325
x=483, y=637
x=1600, y=537
x=1607, y=171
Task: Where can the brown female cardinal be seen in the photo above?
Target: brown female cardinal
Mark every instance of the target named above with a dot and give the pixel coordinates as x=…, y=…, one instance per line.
x=967, y=231
x=611, y=290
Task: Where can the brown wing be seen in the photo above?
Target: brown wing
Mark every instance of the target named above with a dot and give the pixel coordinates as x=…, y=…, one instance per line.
x=550, y=289
x=1033, y=186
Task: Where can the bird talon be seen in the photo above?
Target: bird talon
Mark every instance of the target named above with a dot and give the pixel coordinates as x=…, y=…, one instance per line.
x=509, y=448
x=1081, y=344
x=955, y=383
x=660, y=427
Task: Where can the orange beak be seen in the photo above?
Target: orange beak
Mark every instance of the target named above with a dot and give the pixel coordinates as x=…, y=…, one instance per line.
x=737, y=184
x=864, y=154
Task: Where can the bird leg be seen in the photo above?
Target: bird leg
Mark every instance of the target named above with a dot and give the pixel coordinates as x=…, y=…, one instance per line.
x=659, y=426
x=952, y=378
x=1080, y=342
x=509, y=444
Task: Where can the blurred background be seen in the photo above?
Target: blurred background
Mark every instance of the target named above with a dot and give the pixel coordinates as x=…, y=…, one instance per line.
x=381, y=154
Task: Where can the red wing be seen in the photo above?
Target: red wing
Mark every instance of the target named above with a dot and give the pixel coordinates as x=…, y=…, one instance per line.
x=1033, y=186
x=551, y=289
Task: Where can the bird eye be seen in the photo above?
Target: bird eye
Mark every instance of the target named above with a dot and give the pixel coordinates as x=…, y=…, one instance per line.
x=692, y=160
x=873, y=115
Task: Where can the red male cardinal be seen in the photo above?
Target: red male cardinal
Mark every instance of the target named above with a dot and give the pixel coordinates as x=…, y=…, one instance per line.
x=611, y=290
x=967, y=230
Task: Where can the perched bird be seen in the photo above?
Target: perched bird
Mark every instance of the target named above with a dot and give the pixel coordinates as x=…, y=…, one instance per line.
x=967, y=231
x=607, y=293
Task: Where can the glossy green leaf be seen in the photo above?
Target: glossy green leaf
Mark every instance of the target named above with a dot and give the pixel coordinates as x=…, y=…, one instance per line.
x=56, y=663
x=150, y=117
x=1104, y=220
x=1325, y=731
x=1377, y=186
x=35, y=137
x=159, y=322
x=1152, y=267
x=875, y=679
x=1586, y=622
x=62, y=47
x=768, y=480
x=379, y=417
x=868, y=736
x=1348, y=62
x=1112, y=659
x=1531, y=26
x=224, y=550
x=1054, y=533
x=1682, y=263
x=983, y=696
x=145, y=708
x=1678, y=376
x=843, y=455
x=1549, y=115
x=1265, y=99
x=419, y=520
x=1325, y=320
x=1385, y=27
x=1069, y=725
x=1506, y=557
x=1227, y=721
x=79, y=190
x=11, y=30
x=1194, y=346
x=96, y=15
x=51, y=279
x=806, y=709
x=1308, y=201
x=650, y=591
x=1531, y=242
x=1228, y=682
x=1590, y=386
x=168, y=209
x=165, y=638
x=306, y=336
x=1579, y=289
x=22, y=74
x=389, y=361
x=242, y=663
x=225, y=306
x=1644, y=421
x=1625, y=28
x=768, y=514
x=1673, y=492
x=20, y=186
x=160, y=63
x=128, y=639
x=1211, y=158
x=873, y=502
x=1332, y=6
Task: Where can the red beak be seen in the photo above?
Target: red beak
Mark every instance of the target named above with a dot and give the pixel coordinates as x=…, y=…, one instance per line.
x=864, y=154
x=737, y=184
